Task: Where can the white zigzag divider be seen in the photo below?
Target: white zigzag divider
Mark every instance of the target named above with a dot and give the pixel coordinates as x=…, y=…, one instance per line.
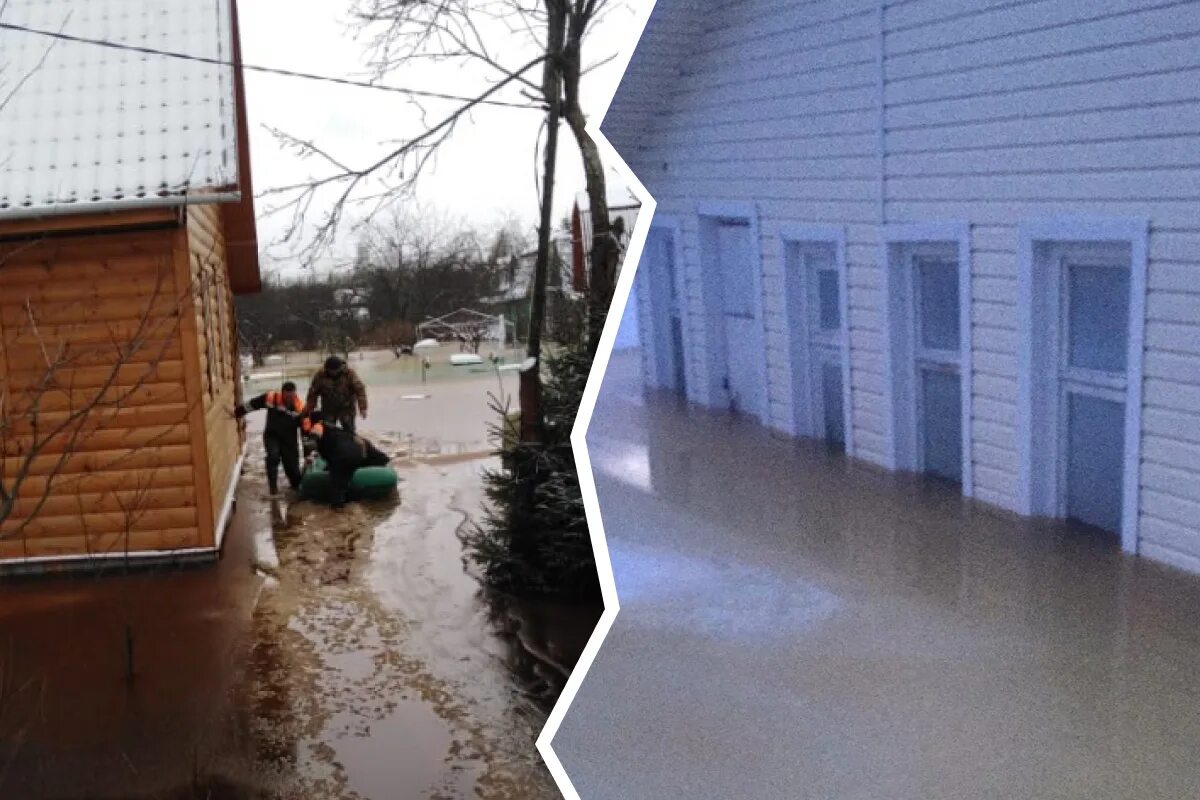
x=578, y=433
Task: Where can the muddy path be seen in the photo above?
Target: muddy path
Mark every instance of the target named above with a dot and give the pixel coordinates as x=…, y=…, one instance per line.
x=328, y=655
x=375, y=659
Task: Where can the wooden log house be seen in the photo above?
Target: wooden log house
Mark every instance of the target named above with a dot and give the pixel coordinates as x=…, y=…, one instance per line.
x=126, y=228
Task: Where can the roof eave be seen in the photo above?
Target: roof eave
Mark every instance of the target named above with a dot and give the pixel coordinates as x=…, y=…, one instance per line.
x=117, y=206
x=241, y=230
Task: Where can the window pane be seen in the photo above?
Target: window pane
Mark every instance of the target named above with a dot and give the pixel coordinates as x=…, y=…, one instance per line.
x=941, y=396
x=1095, y=461
x=1099, y=317
x=827, y=287
x=938, y=284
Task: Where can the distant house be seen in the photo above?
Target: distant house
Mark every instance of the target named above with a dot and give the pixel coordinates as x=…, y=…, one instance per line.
x=955, y=238
x=515, y=294
x=126, y=228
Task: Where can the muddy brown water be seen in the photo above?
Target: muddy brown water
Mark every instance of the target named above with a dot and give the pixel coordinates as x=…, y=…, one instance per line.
x=795, y=624
x=327, y=655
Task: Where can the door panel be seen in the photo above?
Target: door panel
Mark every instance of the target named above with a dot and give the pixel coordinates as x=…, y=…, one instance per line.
x=941, y=428
x=829, y=309
x=740, y=352
x=1095, y=460
x=832, y=405
x=677, y=356
x=825, y=341
x=665, y=309
x=740, y=321
x=936, y=342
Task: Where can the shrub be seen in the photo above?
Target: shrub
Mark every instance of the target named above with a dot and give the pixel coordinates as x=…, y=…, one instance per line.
x=533, y=539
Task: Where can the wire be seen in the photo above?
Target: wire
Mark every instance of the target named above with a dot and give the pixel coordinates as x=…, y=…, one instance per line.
x=66, y=37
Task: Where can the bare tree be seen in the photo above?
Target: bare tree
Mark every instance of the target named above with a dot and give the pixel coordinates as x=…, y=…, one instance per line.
x=604, y=249
x=414, y=263
x=463, y=33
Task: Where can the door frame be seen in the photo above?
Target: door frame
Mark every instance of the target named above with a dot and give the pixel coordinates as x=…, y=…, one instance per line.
x=671, y=225
x=710, y=214
x=1038, y=482
x=802, y=390
x=895, y=241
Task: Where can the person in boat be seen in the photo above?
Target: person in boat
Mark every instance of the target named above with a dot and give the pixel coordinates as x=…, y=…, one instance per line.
x=285, y=421
x=337, y=390
x=343, y=453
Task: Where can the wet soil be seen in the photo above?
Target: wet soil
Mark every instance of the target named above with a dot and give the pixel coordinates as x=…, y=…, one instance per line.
x=328, y=655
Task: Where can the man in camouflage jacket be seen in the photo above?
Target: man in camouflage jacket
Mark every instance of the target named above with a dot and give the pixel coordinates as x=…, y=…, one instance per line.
x=339, y=390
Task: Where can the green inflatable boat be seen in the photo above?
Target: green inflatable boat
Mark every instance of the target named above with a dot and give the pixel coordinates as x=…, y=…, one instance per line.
x=368, y=483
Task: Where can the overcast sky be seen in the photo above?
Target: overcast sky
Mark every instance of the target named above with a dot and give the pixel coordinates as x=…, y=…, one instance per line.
x=485, y=173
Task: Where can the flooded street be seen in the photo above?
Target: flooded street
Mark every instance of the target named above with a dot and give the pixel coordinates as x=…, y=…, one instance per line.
x=796, y=624
x=328, y=655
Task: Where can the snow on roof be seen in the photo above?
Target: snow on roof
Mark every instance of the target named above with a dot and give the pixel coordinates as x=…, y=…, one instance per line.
x=91, y=127
x=619, y=196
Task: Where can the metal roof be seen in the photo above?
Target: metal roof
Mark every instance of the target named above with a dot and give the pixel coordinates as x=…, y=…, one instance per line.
x=92, y=128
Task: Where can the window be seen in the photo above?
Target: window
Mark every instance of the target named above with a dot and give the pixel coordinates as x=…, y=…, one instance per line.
x=827, y=291
x=937, y=304
x=1097, y=300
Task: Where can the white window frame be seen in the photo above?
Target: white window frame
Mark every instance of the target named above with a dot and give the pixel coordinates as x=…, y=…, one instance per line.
x=1040, y=245
x=673, y=226
x=898, y=245
x=708, y=215
x=802, y=388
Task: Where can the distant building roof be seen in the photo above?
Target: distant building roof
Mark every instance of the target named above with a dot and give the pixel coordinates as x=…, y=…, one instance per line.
x=93, y=127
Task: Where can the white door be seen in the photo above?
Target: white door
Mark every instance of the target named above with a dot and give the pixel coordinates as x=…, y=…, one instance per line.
x=1094, y=295
x=936, y=369
x=667, y=312
x=739, y=319
x=825, y=346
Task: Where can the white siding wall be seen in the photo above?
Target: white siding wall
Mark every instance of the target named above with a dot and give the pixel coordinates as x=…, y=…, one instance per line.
x=653, y=72
x=994, y=111
x=1001, y=111
x=793, y=128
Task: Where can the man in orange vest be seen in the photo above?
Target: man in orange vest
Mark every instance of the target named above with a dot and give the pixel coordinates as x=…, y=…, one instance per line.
x=285, y=421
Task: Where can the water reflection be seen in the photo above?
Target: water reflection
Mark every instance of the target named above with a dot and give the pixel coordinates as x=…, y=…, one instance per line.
x=950, y=649
x=328, y=655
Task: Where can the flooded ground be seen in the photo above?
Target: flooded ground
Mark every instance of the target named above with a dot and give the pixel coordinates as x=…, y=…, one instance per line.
x=796, y=624
x=383, y=368
x=328, y=655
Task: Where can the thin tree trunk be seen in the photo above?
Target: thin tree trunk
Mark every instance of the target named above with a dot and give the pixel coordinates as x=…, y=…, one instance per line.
x=531, y=380
x=603, y=252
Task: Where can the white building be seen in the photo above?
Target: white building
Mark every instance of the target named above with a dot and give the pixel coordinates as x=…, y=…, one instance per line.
x=958, y=236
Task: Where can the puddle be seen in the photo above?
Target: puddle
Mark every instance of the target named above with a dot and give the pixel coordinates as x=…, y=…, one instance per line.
x=329, y=655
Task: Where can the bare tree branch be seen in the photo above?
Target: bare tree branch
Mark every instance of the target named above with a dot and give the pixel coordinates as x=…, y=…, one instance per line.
x=415, y=152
